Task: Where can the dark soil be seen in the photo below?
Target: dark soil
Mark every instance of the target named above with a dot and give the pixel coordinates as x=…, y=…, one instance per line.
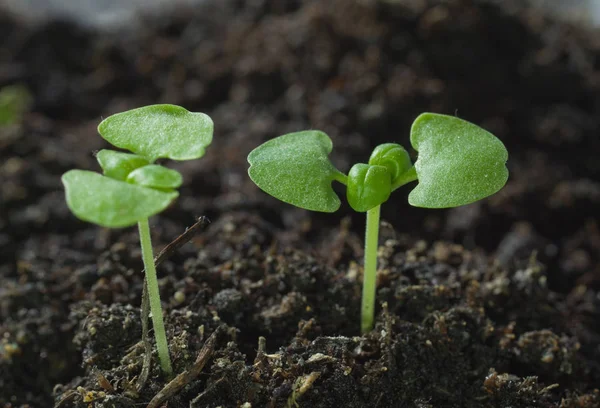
x=496, y=304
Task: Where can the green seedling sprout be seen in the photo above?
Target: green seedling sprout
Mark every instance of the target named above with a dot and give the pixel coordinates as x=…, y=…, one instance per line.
x=458, y=163
x=133, y=188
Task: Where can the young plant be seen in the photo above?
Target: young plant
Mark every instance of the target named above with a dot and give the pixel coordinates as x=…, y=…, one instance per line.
x=133, y=187
x=458, y=163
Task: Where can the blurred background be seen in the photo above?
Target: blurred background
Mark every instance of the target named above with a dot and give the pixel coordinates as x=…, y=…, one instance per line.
x=115, y=13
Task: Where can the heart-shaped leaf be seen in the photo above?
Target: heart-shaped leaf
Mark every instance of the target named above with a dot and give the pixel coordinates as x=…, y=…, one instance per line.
x=111, y=203
x=295, y=168
x=159, y=131
x=458, y=162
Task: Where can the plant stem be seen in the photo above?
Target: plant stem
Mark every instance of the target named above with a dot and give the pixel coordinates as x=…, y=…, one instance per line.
x=341, y=177
x=370, y=270
x=407, y=177
x=154, y=297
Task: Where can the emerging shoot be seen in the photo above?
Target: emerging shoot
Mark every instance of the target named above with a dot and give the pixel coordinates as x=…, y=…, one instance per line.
x=458, y=163
x=133, y=188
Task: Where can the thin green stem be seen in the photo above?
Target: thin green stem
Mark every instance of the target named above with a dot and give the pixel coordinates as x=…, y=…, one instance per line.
x=154, y=297
x=370, y=270
x=340, y=177
x=405, y=178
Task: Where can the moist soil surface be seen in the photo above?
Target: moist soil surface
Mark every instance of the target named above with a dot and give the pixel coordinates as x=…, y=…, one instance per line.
x=495, y=304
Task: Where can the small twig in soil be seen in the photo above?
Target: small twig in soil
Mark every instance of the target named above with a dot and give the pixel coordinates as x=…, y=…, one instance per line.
x=261, y=359
x=181, y=240
x=187, y=376
x=103, y=382
x=387, y=340
x=302, y=385
x=166, y=252
x=67, y=397
x=304, y=328
x=145, y=372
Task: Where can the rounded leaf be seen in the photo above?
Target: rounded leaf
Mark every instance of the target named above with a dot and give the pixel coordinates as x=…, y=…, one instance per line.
x=118, y=165
x=156, y=131
x=155, y=176
x=111, y=203
x=368, y=186
x=394, y=157
x=295, y=169
x=458, y=162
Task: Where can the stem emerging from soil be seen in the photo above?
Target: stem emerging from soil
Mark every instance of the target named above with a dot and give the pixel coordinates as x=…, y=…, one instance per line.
x=154, y=297
x=370, y=270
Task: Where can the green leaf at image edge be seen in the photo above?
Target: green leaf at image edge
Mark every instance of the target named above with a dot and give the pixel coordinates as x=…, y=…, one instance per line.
x=111, y=203
x=159, y=131
x=458, y=163
x=295, y=168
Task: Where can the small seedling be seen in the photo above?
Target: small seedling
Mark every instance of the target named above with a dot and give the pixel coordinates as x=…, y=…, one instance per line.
x=458, y=163
x=133, y=187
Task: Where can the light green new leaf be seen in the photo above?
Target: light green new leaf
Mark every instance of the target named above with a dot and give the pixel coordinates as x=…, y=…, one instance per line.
x=458, y=162
x=368, y=186
x=156, y=131
x=111, y=203
x=118, y=165
x=295, y=169
x=392, y=156
x=155, y=176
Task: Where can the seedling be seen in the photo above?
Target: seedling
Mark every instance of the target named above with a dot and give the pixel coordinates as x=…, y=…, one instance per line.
x=458, y=163
x=133, y=187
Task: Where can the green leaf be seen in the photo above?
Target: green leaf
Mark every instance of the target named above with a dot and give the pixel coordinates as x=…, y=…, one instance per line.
x=111, y=203
x=458, y=162
x=368, y=186
x=155, y=176
x=156, y=131
x=118, y=165
x=394, y=157
x=295, y=169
